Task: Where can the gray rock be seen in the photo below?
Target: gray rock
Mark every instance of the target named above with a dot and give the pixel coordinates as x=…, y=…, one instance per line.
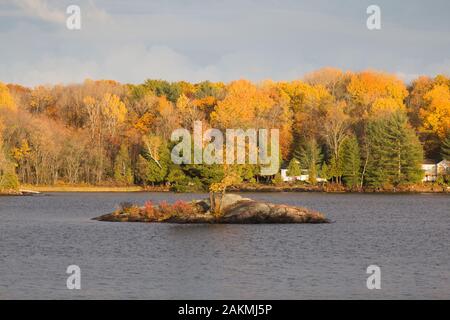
x=249, y=211
x=230, y=199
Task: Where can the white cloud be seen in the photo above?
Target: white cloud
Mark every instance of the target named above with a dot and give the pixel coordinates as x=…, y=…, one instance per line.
x=40, y=9
x=128, y=64
x=43, y=10
x=51, y=70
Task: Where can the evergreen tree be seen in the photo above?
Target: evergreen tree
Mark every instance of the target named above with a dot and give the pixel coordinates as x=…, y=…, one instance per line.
x=248, y=171
x=445, y=147
x=335, y=168
x=177, y=178
x=207, y=174
x=294, y=169
x=351, y=162
x=141, y=170
x=311, y=158
x=153, y=167
x=395, y=152
x=325, y=172
x=277, y=179
x=122, y=167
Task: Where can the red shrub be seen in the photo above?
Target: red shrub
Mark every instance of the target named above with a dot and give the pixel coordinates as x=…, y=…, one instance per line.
x=165, y=208
x=181, y=207
x=150, y=211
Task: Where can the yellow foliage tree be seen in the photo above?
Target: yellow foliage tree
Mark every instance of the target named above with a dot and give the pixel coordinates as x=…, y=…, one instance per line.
x=166, y=118
x=386, y=105
x=143, y=124
x=278, y=116
x=231, y=176
x=374, y=91
x=22, y=152
x=182, y=103
x=240, y=106
x=327, y=77
x=436, y=117
x=309, y=104
x=6, y=100
x=40, y=99
x=113, y=110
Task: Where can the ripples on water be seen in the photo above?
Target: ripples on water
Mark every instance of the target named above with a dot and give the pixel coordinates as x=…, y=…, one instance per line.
x=406, y=235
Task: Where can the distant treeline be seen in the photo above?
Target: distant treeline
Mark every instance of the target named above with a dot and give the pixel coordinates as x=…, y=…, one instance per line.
x=365, y=128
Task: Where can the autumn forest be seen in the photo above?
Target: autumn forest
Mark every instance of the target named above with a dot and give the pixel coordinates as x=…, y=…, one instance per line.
x=351, y=128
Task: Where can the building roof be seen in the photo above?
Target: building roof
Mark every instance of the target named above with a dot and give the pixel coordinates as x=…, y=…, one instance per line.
x=429, y=161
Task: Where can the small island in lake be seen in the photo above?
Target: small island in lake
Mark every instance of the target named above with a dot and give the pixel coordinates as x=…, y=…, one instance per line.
x=232, y=209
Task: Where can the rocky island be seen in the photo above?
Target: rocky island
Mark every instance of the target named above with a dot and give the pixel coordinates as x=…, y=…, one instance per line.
x=234, y=209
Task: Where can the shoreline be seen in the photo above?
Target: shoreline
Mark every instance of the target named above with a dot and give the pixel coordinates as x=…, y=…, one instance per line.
x=331, y=188
x=69, y=188
x=423, y=188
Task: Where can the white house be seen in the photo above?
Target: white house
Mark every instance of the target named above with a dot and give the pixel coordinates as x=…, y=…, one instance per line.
x=443, y=167
x=430, y=169
x=433, y=169
x=303, y=177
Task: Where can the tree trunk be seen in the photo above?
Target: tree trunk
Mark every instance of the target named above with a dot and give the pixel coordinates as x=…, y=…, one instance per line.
x=364, y=167
x=219, y=209
x=212, y=201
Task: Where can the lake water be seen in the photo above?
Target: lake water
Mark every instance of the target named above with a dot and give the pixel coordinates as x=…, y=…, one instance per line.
x=407, y=236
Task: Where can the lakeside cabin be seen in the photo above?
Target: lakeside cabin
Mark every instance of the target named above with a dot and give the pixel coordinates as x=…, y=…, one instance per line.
x=303, y=177
x=432, y=169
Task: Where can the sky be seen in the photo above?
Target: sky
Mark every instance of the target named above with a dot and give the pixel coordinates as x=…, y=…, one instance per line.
x=130, y=41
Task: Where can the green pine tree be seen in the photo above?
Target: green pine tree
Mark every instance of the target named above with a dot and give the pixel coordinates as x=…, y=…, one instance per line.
x=153, y=168
x=351, y=162
x=335, y=168
x=122, y=167
x=293, y=169
x=325, y=172
x=311, y=158
x=395, y=152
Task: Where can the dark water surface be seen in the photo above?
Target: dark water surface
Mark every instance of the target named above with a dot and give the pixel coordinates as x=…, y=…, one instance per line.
x=408, y=236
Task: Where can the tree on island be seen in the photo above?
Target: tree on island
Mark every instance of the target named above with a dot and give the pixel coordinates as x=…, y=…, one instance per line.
x=230, y=176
